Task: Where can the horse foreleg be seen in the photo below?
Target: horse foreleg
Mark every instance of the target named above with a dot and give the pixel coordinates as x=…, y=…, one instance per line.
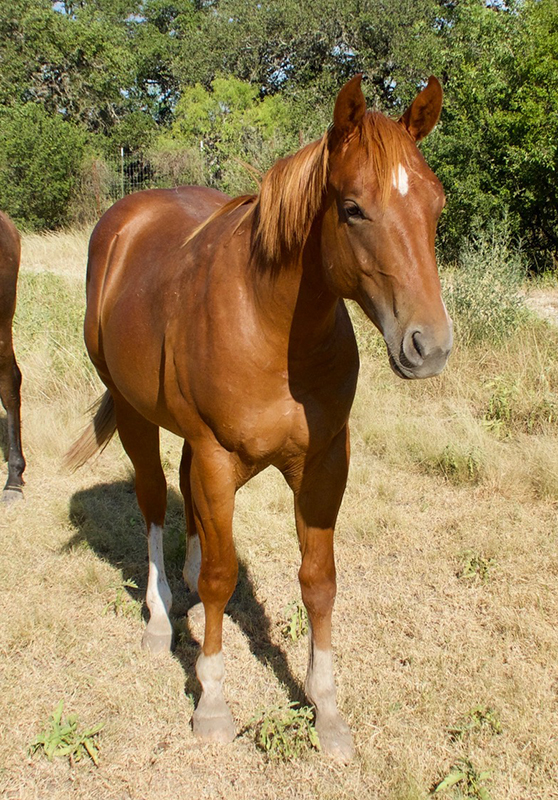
x=213, y=490
x=140, y=439
x=10, y=393
x=317, y=503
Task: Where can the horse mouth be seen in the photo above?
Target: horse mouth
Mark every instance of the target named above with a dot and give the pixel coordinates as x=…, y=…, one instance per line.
x=399, y=370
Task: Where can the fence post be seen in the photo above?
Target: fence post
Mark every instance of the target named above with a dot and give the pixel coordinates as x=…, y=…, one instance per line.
x=121, y=172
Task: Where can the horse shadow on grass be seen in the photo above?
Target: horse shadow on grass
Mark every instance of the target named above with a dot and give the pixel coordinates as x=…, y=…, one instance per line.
x=107, y=519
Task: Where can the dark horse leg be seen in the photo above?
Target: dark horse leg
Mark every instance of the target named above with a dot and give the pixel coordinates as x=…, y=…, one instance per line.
x=213, y=488
x=192, y=563
x=317, y=502
x=10, y=384
x=140, y=439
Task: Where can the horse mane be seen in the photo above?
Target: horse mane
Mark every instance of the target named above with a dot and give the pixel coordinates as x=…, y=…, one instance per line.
x=292, y=191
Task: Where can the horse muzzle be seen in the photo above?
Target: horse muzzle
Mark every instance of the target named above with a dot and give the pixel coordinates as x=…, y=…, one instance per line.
x=422, y=352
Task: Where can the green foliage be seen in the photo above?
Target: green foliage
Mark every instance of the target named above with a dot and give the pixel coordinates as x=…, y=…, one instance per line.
x=456, y=464
x=496, y=149
x=286, y=732
x=483, y=293
x=499, y=413
x=39, y=158
x=61, y=739
x=251, y=81
x=465, y=781
x=513, y=409
x=478, y=720
x=229, y=124
x=476, y=565
x=51, y=309
x=121, y=605
x=296, y=621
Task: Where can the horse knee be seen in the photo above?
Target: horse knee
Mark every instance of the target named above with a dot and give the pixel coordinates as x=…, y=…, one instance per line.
x=10, y=382
x=318, y=588
x=217, y=581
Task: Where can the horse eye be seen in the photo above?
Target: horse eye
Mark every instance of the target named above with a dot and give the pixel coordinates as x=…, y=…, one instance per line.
x=353, y=211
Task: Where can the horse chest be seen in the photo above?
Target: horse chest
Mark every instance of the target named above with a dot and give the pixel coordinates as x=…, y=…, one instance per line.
x=279, y=427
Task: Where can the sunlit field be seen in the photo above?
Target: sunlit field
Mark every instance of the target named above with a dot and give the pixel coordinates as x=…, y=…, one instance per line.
x=445, y=626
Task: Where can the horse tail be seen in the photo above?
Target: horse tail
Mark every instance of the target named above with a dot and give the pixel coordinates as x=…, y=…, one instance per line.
x=96, y=435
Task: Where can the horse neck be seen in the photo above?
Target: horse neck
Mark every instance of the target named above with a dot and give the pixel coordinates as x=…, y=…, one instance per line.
x=297, y=300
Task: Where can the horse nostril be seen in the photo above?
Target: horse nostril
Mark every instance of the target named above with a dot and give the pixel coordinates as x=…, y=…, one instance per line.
x=412, y=350
x=416, y=339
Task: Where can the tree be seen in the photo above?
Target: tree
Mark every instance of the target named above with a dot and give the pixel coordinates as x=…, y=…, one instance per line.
x=228, y=124
x=496, y=148
x=40, y=157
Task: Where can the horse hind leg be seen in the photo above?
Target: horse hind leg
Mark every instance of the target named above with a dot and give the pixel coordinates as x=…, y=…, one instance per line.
x=140, y=439
x=10, y=393
x=192, y=564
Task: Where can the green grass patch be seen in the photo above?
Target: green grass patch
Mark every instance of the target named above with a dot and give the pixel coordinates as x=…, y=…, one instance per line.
x=286, y=732
x=62, y=739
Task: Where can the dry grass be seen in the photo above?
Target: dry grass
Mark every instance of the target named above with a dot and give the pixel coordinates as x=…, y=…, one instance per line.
x=435, y=490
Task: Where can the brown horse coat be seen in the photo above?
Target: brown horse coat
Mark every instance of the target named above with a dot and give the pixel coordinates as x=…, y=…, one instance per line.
x=224, y=322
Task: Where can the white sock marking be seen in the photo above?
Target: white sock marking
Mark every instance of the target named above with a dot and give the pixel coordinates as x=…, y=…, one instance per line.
x=158, y=596
x=320, y=683
x=211, y=673
x=400, y=180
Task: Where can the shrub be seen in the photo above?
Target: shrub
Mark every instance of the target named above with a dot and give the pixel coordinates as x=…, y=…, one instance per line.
x=40, y=157
x=483, y=292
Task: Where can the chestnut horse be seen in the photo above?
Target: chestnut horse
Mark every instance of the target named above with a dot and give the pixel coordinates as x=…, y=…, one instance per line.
x=10, y=375
x=223, y=321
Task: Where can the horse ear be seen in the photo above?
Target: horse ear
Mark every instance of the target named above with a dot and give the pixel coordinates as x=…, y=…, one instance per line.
x=350, y=107
x=422, y=115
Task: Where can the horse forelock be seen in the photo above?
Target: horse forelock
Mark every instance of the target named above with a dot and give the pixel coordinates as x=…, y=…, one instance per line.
x=387, y=149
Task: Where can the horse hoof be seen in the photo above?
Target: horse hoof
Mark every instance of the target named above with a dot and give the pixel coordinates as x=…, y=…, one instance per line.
x=336, y=740
x=12, y=495
x=218, y=727
x=156, y=643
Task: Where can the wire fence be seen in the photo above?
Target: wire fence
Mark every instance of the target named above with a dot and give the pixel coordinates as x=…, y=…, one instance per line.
x=103, y=180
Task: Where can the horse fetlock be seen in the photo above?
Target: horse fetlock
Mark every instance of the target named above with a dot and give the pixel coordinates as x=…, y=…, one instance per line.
x=12, y=494
x=159, y=597
x=320, y=683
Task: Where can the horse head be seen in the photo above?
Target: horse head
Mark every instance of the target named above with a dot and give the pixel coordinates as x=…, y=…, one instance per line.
x=379, y=224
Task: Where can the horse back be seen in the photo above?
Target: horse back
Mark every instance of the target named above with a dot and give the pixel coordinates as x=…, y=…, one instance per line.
x=157, y=218
x=166, y=210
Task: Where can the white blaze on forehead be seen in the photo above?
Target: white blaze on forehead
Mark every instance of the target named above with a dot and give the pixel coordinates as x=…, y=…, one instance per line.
x=400, y=179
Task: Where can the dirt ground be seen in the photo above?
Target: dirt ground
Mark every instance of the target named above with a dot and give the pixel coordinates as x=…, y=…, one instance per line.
x=446, y=652
x=544, y=302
